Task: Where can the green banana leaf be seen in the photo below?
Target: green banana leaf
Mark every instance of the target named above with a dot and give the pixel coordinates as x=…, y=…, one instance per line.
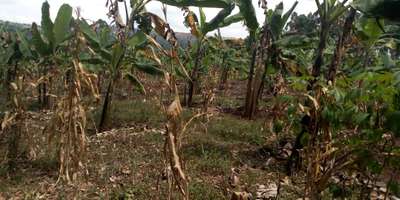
x=278, y=19
x=62, y=24
x=40, y=46
x=24, y=45
x=217, y=20
x=47, y=24
x=231, y=20
x=368, y=30
x=203, y=18
x=89, y=34
x=149, y=68
x=117, y=56
x=247, y=10
x=6, y=56
x=94, y=41
x=138, y=39
x=388, y=9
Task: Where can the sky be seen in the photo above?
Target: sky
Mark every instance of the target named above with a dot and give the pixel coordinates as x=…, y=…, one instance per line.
x=28, y=11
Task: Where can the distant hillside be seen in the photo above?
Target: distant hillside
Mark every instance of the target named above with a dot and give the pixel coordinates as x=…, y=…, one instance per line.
x=13, y=26
x=183, y=38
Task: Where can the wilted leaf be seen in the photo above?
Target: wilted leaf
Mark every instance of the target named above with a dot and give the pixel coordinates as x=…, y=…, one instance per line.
x=135, y=81
x=175, y=109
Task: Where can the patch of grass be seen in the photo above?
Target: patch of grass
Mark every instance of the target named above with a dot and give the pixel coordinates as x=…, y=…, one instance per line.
x=208, y=157
x=137, y=192
x=228, y=102
x=138, y=111
x=133, y=111
x=46, y=164
x=204, y=191
x=234, y=130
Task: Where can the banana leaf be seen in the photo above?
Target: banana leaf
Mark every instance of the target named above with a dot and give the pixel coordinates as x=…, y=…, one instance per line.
x=388, y=9
x=247, y=10
x=24, y=45
x=89, y=34
x=135, y=81
x=41, y=47
x=138, y=39
x=198, y=3
x=149, y=68
x=62, y=24
x=217, y=20
x=278, y=19
x=117, y=56
x=47, y=24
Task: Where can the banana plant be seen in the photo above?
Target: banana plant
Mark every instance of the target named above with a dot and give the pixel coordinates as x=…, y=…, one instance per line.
x=278, y=21
x=48, y=40
x=200, y=28
x=14, y=50
x=275, y=21
x=247, y=14
x=122, y=57
x=15, y=57
x=329, y=11
x=387, y=9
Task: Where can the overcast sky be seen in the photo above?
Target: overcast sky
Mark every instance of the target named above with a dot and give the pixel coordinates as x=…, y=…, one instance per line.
x=28, y=11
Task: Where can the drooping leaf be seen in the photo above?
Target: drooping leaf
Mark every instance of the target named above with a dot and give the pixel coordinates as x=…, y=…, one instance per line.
x=62, y=24
x=138, y=39
x=24, y=45
x=106, y=38
x=6, y=56
x=247, y=10
x=47, y=24
x=217, y=20
x=135, y=81
x=337, y=11
x=368, y=29
x=388, y=9
x=41, y=47
x=149, y=69
x=286, y=16
x=89, y=34
x=117, y=55
x=231, y=20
